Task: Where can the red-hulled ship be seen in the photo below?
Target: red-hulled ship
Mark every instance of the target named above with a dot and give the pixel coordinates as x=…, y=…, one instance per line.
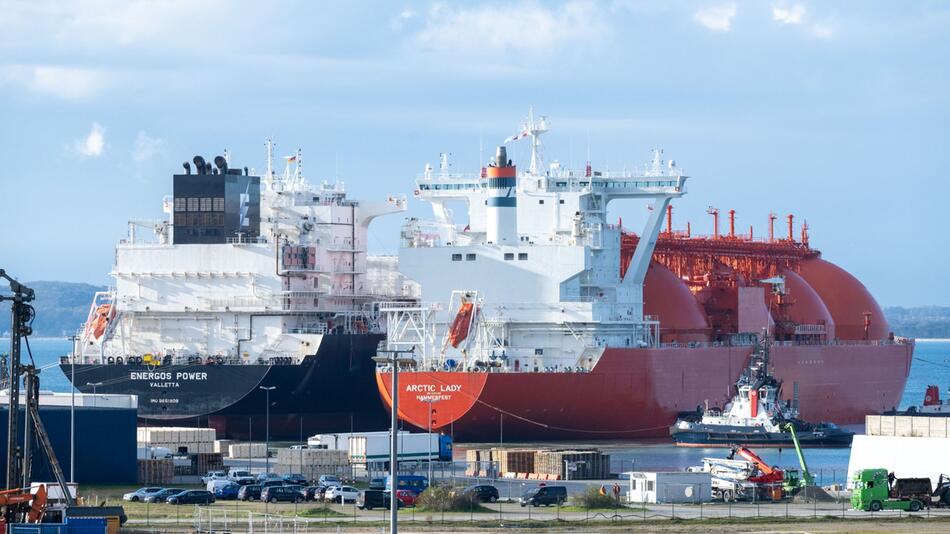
x=560, y=325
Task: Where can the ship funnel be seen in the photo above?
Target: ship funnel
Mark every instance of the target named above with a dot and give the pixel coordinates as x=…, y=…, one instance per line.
x=501, y=157
x=187, y=167
x=221, y=164
x=199, y=164
x=502, y=203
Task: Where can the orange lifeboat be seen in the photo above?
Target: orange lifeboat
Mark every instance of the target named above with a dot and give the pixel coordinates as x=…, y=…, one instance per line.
x=103, y=315
x=460, y=326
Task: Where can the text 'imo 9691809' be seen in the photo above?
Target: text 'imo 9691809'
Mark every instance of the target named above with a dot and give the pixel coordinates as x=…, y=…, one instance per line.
x=540, y=319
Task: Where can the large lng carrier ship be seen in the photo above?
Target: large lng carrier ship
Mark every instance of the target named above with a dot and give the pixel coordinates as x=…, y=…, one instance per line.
x=540, y=319
x=253, y=289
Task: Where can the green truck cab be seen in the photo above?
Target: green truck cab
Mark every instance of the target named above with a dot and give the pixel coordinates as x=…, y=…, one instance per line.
x=872, y=493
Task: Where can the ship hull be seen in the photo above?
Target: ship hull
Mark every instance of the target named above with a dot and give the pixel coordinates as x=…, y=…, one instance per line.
x=331, y=391
x=638, y=393
x=745, y=437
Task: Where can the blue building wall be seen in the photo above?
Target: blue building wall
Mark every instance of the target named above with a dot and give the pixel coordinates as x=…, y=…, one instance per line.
x=105, y=444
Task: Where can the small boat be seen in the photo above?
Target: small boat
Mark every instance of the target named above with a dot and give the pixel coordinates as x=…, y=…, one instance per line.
x=756, y=417
x=932, y=407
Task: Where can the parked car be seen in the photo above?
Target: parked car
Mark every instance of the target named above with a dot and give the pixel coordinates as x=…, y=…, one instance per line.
x=140, y=494
x=310, y=493
x=341, y=494
x=192, y=497
x=224, y=489
x=163, y=495
x=544, y=495
x=377, y=483
x=241, y=476
x=481, y=493
x=414, y=483
x=406, y=497
x=250, y=492
x=272, y=483
x=268, y=476
x=299, y=447
x=372, y=498
x=295, y=478
x=282, y=494
x=213, y=475
x=329, y=480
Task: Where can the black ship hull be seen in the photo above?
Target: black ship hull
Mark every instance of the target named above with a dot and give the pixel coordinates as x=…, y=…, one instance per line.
x=333, y=390
x=717, y=436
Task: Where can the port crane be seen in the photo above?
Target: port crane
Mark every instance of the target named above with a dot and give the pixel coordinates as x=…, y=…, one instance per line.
x=19, y=505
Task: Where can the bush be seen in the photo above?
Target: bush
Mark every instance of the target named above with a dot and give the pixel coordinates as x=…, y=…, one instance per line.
x=445, y=498
x=592, y=499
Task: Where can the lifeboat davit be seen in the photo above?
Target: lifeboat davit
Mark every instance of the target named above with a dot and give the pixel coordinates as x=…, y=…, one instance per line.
x=458, y=332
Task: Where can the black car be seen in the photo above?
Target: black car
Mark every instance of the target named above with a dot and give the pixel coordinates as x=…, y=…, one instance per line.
x=282, y=494
x=295, y=478
x=251, y=492
x=482, y=493
x=272, y=483
x=377, y=484
x=192, y=497
x=544, y=495
x=373, y=498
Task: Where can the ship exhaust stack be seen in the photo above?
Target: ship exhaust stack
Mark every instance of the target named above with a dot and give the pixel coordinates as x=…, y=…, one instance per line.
x=502, y=204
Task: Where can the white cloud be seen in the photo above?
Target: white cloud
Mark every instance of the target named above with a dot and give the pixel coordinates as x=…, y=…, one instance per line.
x=402, y=19
x=716, y=18
x=823, y=31
x=525, y=27
x=788, y=15
x=147, y=147
x=93, y=145
x=62, y=82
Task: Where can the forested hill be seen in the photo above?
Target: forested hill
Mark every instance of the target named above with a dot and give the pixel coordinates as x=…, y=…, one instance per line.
x=61, y=307
x=920, y=322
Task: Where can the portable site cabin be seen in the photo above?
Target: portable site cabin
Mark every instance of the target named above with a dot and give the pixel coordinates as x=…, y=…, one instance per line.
x=669, y=487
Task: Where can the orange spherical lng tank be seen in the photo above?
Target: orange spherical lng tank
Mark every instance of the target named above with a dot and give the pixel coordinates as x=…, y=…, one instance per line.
x=847, y=299
x=668, y=299
x=807, y=306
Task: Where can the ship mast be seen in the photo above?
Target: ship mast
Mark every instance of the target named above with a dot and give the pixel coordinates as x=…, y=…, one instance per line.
x=535, y=129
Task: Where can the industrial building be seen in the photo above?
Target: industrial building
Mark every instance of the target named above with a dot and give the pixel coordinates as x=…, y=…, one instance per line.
x=105, y=449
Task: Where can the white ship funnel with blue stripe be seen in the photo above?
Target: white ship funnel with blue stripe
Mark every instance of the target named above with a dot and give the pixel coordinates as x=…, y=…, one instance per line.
x=501, y=206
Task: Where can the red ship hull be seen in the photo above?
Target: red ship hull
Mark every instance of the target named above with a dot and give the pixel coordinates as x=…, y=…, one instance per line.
x=637, y=393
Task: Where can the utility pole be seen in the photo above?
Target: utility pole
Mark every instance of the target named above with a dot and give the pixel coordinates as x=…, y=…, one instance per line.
x=267, y=389
x=392, y=358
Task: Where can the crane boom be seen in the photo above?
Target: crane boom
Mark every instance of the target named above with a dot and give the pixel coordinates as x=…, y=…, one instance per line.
x=807, y=478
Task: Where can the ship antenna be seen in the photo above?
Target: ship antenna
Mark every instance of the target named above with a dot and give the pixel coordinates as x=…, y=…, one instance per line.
x=535, y=129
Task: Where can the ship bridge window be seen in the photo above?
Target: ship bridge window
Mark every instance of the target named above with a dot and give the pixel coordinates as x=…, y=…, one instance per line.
x=469, y=257
x=541, y=201
x=181, y=204
x=509, y=256
x=561, y=201
x=538, y=352
x=522, y=256
x=218, y=204
x=456, y=257
x=193, y=204
x=205, y=204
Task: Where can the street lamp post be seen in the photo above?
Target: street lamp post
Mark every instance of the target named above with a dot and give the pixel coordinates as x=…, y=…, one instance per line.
x=392, y=357
x=267, y=389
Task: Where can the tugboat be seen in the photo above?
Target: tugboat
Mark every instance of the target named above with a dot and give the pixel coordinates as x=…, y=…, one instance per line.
x=756, y=417
x=932, y=407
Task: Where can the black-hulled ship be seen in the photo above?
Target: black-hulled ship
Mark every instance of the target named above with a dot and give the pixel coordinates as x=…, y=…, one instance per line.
x=756, y=417
x=252, y=288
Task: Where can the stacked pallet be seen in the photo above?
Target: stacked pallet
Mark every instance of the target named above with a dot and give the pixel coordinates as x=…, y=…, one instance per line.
x=311, y=463
x=177, y=439
x=514, y=460
x=156, y=471
x=479, y=462
x=247, y=450
x=574, y=465
x=204, y=462
x=222, y=446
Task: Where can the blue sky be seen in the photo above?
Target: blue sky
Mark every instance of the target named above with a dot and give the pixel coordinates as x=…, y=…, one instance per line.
x=834, y=111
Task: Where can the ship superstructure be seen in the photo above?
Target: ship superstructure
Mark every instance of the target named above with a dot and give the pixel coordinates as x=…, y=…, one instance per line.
x=246, y=275
x=542, y=319
x=538, y=259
